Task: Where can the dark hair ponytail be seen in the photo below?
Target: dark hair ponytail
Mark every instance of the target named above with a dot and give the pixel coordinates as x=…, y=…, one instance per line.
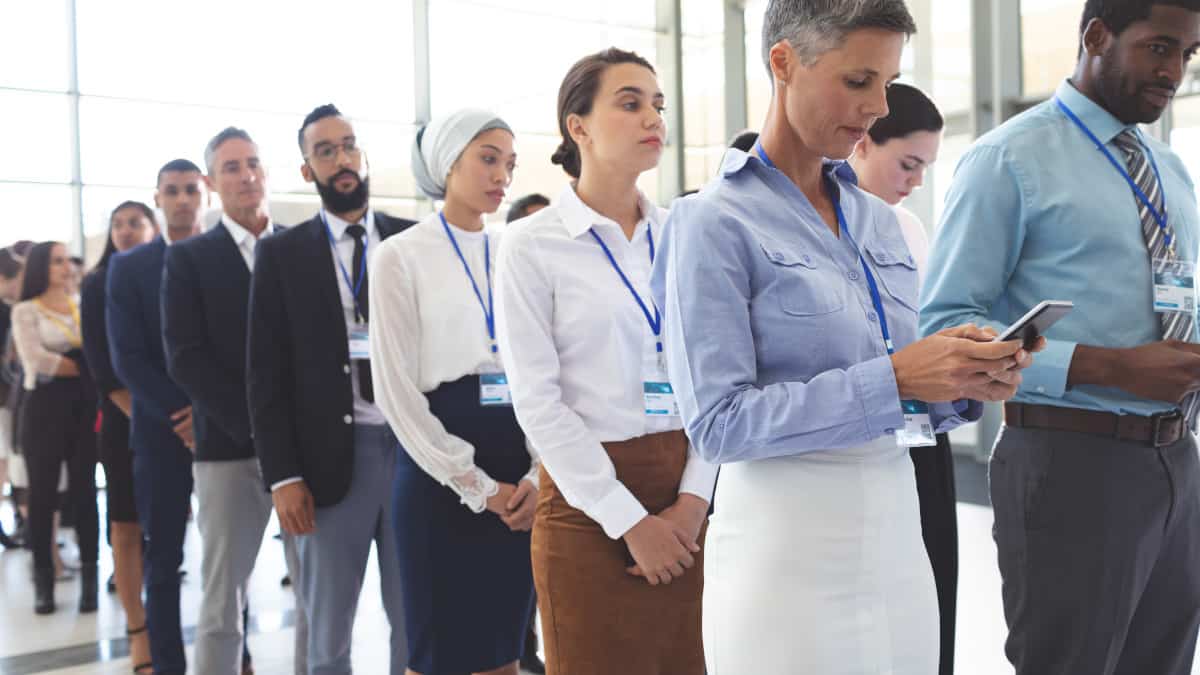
x=577, y=94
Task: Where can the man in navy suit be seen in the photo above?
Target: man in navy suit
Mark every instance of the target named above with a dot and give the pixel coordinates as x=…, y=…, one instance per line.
x=205, y=293
x=161, y=433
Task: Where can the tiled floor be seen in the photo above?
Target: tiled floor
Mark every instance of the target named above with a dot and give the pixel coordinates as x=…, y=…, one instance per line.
x=75, y=645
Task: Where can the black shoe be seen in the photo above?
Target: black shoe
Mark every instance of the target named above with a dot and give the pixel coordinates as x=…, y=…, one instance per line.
x=89, y=578
x=43, y=585
x=111, y=584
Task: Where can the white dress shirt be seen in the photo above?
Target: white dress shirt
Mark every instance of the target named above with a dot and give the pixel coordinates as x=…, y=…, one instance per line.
x=577, y=350
x=364, y=411
x=245, y=240
x=427, y=328
x=914, y=235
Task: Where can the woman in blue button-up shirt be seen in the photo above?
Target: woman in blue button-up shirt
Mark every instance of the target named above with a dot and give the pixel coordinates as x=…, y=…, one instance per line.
x=776, y=348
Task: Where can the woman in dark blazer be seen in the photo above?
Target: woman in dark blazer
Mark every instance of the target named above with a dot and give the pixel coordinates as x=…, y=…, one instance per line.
x=131, y=224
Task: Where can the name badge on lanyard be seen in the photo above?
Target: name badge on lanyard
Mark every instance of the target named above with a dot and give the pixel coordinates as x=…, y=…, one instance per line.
x=657, y=393
x=359, y=336
x=493, y=389
x=1174, y=279
x=493, y=384
x=918, y=425
x=1174, y=286
x=360, y=343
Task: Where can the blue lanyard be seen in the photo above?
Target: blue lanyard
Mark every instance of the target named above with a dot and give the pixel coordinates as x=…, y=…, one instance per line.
x=489, y=310
x=1158, y=217
x=354, y=288
x=872, y=285
x=655, y=321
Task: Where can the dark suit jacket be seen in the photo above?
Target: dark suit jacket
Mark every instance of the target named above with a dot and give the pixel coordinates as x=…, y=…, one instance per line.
x=114, y=432
x=134, y=328
x=205, y=292
x=298, y=361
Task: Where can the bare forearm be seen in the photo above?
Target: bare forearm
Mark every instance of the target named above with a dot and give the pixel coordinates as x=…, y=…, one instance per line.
x=1096, y=366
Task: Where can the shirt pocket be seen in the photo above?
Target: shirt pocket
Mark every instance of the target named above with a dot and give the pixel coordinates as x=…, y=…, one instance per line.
x=800, y=286
x=896, y=270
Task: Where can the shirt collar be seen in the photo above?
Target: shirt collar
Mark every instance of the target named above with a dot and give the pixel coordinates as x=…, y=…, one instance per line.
x=578, y=217
x=1098, y=120
x=241, y=234
x=337, y=226
x=735, y=160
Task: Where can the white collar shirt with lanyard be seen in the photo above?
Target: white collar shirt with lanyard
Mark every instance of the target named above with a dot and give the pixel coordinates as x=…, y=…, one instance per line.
x=343, y=263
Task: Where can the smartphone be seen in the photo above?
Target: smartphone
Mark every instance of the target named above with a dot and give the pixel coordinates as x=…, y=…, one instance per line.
x=1036, y=321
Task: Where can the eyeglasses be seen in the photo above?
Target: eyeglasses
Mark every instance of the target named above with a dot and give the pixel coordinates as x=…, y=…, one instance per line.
x=328, y=152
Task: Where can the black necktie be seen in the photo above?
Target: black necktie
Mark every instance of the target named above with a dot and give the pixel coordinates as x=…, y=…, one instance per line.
x=361, y=312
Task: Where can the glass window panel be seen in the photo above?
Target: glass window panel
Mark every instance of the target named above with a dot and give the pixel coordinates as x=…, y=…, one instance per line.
x=520, y=78
x=99, y=201
x=621, y=13
x=701, y=165
x=125, y=142
x=38, y=147
x=758, y=82
x=953, y=148
x=703, y=91
x=1185, y=133
x=36, y=212
x=703, y=17
x=34, y=35
x=1048, y=43
x=253, y=55
x=952, y=59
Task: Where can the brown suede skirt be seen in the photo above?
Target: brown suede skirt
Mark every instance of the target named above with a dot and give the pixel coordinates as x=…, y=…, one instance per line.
x=596, y=618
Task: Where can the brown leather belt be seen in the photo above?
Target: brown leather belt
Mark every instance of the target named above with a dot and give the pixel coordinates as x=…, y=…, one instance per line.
x=1157, y=431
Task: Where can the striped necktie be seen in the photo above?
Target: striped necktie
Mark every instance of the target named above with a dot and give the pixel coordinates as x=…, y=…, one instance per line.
x=1175, y=325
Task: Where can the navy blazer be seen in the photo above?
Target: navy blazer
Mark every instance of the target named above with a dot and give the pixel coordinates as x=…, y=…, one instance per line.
x=134, y=328
x=298, y=361
x=205, y=293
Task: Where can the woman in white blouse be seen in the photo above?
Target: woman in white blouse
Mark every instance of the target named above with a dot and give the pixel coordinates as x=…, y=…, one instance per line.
x=619, y=528
x=57, y=417
x=890, y=162
x=466, y=487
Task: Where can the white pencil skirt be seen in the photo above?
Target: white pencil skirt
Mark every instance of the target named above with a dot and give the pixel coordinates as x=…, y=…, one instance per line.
x=814, y=564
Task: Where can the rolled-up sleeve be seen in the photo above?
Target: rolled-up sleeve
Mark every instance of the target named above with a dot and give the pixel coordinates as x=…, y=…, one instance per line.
x=702, y=280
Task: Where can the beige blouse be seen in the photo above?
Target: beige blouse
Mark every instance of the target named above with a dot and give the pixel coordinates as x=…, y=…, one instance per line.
x=41, y=336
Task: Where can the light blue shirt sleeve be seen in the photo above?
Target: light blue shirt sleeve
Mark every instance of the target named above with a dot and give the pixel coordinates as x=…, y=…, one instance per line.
x=702, y=282
x=975, y=254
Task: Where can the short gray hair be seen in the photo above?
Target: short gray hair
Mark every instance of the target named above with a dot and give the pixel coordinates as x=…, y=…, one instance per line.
x=813, y=27
x=226, y=134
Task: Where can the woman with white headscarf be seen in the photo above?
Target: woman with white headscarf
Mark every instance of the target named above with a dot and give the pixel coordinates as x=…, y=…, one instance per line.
x=466, y=485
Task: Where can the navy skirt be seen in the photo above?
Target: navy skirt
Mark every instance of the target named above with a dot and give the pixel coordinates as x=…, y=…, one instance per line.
x=468, y=583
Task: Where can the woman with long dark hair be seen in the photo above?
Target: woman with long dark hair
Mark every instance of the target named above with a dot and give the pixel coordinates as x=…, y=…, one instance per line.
x=130, y=224
x=57, y=417
x=623, y=497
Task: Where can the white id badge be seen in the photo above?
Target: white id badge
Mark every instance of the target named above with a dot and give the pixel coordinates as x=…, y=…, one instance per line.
x=360, y=344
x=660, y=398
x=1174, y=286
x=918, y=427
x=493, y=389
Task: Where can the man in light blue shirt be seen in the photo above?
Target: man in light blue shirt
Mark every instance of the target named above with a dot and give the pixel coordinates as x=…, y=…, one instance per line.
x=1095, y=478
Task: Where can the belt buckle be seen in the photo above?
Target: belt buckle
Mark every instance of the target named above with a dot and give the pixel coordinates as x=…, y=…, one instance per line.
x=1157, y=421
